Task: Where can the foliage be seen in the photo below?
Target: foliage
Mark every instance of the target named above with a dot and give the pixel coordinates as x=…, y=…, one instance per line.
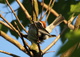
x=73, y=37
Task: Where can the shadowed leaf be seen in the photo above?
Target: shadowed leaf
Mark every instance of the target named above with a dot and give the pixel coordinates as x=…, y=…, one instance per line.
x=73, y=38
x=3, y=28
x=4, y=1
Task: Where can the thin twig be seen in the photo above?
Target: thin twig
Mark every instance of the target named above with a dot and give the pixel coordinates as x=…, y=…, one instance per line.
x=69, y=22
x=9, y=53
x=24, y=9
x=27, y=44
x=53, y=11
x=16, y=16
x=49, y=52
x=22, y=38
x=39, y=48
x=46, y=10
x=49, y=11
x=1, y=22
x=41, y=11
x=10, y=24
x=5, y=24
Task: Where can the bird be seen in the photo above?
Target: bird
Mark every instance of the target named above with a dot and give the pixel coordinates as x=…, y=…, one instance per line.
x=37, y=32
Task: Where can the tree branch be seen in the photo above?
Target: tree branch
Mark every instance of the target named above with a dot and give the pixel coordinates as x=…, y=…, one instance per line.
x=1, y=22
x=13, y=41
x=69, y=22
x=49, y=8
x=52, y=11
x=49, y=11
x=35, y=9
x=10, y=24
x=16, y=16
x=24, y=9
x=71, y=50
x=9, y=53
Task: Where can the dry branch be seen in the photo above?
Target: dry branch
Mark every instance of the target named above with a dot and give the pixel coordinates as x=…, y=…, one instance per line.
x=13, y=41
x=10, y=24
x=1, y=22
x=52, y=11
x=49, y=11
x=21, y=36
x=16, y=16
x=9, y=53
x=24, y=9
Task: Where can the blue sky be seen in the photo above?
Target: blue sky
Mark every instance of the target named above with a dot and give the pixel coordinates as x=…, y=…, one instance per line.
x=8, y=47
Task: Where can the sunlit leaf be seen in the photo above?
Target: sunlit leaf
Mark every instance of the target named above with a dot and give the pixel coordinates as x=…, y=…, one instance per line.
x=75, y=7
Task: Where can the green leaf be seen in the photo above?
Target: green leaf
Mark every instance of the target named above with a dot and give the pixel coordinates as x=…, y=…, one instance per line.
x=2, y=1
x=3, y=28
x=63, y=7
x=76, y=53
x=0, y=26
x=63, y=38
x=13, y=32
x=73, y=35
x=21, y=14
x=75, y=7
x=73, y=38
